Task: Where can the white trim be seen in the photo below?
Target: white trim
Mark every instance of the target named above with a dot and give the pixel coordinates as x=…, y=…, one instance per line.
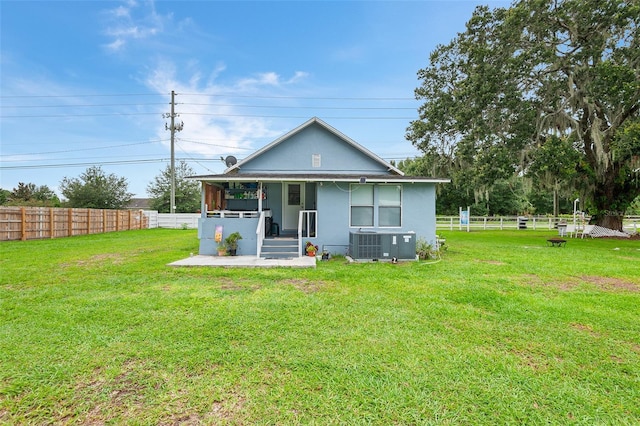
x=311, y=178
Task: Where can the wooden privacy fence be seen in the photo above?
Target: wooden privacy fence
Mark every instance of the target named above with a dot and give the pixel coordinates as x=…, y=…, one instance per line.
x=32, y=223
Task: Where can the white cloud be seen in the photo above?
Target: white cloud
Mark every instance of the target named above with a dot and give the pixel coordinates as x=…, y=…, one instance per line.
x=116, y=44
x=269, y=79
x=299, y=75
x=125, y=25
x=120, y=12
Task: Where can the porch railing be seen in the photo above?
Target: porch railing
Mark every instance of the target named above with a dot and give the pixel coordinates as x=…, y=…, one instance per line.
x=233, y=214
x=307, y=226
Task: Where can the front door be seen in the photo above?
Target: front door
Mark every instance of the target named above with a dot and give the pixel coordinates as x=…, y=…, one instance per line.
x=293, y=203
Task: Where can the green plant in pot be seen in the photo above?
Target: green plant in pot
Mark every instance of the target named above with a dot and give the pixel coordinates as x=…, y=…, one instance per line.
x=232, y=242
x=222, y=248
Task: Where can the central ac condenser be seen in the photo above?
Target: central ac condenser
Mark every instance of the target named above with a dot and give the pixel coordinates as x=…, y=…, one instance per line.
x=382, y=245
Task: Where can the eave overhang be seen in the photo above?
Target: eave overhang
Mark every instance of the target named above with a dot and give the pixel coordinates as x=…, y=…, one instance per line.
x=286, y=177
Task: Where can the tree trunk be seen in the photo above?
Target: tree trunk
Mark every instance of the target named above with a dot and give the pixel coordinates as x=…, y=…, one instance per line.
x=611, y=198
x=605, y=198
x=610, y=222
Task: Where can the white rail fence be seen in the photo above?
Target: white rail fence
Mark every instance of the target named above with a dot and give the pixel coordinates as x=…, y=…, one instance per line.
x=172, y=220
x=630, y=223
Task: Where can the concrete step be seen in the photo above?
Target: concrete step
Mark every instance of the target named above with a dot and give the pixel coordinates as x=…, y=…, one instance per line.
x=278, y=255
x=279, y=248
x=280, y=242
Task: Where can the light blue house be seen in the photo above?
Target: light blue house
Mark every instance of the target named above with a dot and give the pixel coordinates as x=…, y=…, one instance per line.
x=314, y=184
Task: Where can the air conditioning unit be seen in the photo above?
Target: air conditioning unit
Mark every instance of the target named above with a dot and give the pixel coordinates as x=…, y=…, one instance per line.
x=365, y=245
x=379, y=245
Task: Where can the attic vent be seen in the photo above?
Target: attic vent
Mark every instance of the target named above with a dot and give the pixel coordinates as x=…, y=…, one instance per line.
x=316, y=160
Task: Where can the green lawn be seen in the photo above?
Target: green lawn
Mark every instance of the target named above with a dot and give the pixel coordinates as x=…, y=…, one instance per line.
x=502, y=330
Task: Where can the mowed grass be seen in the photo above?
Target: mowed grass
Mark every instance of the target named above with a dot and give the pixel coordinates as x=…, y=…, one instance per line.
x=502, y=330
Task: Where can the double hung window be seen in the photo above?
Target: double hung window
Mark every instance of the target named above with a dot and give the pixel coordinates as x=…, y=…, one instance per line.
x=389, y=205
x=376, y=203
x=362, y=205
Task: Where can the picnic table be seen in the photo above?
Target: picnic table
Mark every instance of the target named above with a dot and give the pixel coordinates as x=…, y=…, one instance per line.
x=557, y=242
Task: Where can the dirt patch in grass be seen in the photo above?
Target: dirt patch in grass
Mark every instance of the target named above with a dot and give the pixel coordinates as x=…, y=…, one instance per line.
x=585, y=328
x=305, y=286
x=565, y=285
x=534, y=280
x=118, y=395
x=111, y=258
x=530, y=361
x=611, y=284
x=602, y=283
x=229, y=284
x=227, y=409
x=531, y=279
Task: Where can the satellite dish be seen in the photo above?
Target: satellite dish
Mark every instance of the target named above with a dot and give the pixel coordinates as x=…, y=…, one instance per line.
x=230, y=160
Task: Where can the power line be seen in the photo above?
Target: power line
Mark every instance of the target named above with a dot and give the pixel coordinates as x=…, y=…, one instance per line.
x=79, y=149
x=300, y=107
x=77, y=105
x=211, y=104
x=204, y=114
x=213, y=144
x=82, y=142
x=101, y=163
x=333, y=98
x=80, y=115
x=295, y=116
x=81, y=95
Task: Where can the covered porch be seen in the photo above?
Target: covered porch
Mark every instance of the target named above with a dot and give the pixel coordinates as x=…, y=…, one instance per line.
x=275, y=217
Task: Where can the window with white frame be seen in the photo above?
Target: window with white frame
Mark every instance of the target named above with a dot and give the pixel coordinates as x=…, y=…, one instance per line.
x=390, y=205
x=361, y=205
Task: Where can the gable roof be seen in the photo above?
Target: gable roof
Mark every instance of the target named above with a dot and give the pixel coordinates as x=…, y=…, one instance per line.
x=308, y=123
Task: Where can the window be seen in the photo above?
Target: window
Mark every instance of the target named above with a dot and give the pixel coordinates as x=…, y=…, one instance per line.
x=361, y=205
x=316, y=160
x=389, y=205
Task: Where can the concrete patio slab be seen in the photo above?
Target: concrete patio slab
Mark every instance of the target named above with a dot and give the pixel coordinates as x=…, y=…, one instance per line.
x=246, y=262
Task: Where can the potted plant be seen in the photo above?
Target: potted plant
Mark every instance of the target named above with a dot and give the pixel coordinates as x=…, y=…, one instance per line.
x=311, y=249
x=232, y=242
x=222, y=249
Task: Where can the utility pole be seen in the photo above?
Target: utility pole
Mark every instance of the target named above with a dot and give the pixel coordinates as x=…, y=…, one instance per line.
x=173, y=127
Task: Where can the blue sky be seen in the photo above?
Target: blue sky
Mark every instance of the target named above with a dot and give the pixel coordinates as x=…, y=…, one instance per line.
x=87, y=82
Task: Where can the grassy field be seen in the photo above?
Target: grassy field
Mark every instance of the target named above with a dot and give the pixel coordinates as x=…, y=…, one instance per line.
x=502, y=330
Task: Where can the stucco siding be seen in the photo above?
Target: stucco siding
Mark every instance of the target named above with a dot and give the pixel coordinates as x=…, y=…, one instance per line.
x=247, y=228
x=419, y=210
x=418, y=215
x=295, y=155
x=333, y=217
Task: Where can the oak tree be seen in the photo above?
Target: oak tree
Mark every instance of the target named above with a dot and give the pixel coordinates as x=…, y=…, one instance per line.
x=537, y=72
